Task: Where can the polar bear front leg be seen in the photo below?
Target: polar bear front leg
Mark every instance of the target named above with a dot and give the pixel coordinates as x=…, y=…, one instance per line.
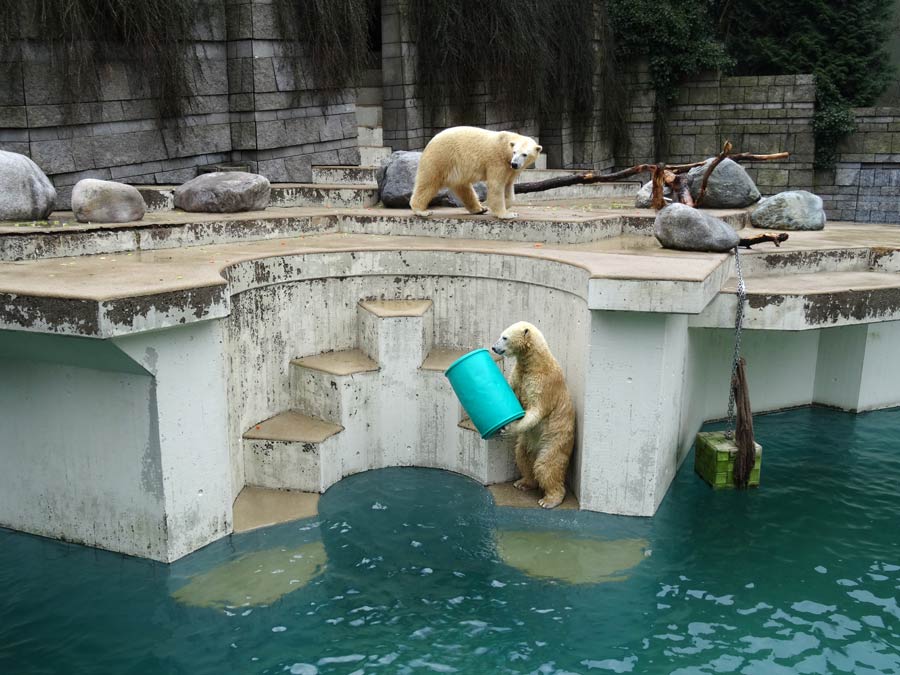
x=496, y=197
x=511, y=191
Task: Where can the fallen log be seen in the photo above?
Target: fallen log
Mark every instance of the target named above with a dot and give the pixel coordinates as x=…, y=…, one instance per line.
x=590, y=177
x=762, y=238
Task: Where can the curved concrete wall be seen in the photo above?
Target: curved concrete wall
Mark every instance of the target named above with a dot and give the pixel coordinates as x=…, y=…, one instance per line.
x=270, y=324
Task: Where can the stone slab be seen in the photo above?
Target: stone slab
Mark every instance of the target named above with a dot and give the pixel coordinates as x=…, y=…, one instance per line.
x=347, y=362
x=257, y=507
x=293, y=426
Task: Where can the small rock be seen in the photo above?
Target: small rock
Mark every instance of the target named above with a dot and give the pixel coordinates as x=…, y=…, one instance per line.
x=223, y=192
x=792, y=210
x=644, y=197
x=104, y=201
x=25, y=191
x=729, y=186
x=688, y=229
x=397, y=177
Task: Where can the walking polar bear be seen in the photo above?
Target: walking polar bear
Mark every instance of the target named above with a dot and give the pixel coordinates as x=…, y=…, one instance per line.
x=545, y=436
x=460, y=156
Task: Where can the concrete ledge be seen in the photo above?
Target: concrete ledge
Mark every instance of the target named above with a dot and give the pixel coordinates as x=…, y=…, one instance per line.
x=386, y=309
x=293, y=426
x=807, y=301
x=257, y=507
x=349, y=362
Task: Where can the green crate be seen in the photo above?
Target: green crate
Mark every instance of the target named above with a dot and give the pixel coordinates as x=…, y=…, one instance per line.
x=714, y=455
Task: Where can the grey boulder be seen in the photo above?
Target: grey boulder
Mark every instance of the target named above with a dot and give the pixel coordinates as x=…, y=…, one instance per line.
x=25, y=191
x=792, y=210
x=397, y=177
x=729, y=187
x=688, y=229
x=104, y=201
x=223, y=192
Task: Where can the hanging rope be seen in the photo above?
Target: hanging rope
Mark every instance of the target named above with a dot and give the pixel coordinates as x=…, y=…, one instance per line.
x=738, y=327
x=740, y=423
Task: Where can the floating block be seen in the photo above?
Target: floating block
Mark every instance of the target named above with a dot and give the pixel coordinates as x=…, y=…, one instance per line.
x=714, y=455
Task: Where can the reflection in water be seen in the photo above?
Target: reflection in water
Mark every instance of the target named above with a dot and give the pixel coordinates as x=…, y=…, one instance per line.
x=576, y=560
x=255, y=579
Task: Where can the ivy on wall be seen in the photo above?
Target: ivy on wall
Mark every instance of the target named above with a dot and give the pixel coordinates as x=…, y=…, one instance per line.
x=332, y=36
x=533, y=56
x=83, y=34
x=677, y=38
x=842, y=43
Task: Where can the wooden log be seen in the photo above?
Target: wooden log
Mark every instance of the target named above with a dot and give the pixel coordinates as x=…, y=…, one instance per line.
x=580, y=179
x=712, y=167
x=759, y=239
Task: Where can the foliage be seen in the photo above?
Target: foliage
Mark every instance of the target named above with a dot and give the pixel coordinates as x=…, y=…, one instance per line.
x=334, y=35
x=677, y=39
x=83, y=34
x=841, y=43
x=533, y=55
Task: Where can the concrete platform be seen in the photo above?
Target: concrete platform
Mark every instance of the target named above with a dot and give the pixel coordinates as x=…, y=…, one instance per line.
x=293, y=426
x=169, y=339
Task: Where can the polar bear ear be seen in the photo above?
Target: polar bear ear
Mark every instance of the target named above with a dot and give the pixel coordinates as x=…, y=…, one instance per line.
x=539, y=148
x=526, y=332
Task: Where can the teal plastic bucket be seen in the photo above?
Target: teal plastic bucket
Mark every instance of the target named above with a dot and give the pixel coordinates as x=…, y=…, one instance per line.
x=484, y=392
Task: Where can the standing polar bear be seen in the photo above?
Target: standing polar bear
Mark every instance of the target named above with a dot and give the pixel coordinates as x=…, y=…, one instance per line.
x=545, y=436
x=460, y=156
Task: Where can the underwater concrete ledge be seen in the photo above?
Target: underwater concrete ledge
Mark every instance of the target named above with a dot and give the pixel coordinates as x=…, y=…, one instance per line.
x=192, y=361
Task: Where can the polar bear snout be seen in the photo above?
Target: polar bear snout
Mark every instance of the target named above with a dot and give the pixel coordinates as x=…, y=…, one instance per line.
x=518, y=161
x=500, y=346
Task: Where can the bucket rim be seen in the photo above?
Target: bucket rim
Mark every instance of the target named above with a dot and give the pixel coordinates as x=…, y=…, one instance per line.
x=494, y=429
x=464, y=357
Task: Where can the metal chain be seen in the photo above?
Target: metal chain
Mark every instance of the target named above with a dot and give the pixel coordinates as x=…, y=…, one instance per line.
x=738, y=326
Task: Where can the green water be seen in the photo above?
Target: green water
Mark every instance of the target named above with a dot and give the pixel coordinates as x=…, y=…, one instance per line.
x=402, y=573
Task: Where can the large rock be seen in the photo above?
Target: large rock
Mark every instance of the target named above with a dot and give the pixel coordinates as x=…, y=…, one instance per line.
x=688, y=229
x=25, y=192
x=104, y=201
x=223, y=192
x=729, y=187
x=397, y=177
x=793, y=210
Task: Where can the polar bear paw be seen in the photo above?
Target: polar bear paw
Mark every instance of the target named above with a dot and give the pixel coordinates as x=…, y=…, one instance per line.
x=550, y=501
x=423, y=214
x=524, y=485
x=509, y=215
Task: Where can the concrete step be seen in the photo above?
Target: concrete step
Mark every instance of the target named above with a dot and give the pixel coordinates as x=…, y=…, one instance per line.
x=369, y=135
x=325, y=385
x=441, y=358
x=371, y=155
x=343, y=195
x=343, y=175
x=287, y=451
x=395, y=333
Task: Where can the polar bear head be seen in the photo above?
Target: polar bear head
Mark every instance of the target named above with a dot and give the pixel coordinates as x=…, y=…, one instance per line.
x=523, y=151
x=519, y=338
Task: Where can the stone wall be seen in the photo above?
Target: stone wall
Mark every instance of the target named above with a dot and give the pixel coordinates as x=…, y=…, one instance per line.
x=769, y=114
x=865, y=184
x=246, y=106
x=757, y=114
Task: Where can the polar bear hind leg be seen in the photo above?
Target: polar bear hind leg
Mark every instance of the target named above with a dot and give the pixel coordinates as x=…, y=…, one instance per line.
x=428, y=184
x=550, y=472
x=525, y=464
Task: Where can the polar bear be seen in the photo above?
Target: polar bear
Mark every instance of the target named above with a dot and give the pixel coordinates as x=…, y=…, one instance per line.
x=460, y=156
x=546, y=435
